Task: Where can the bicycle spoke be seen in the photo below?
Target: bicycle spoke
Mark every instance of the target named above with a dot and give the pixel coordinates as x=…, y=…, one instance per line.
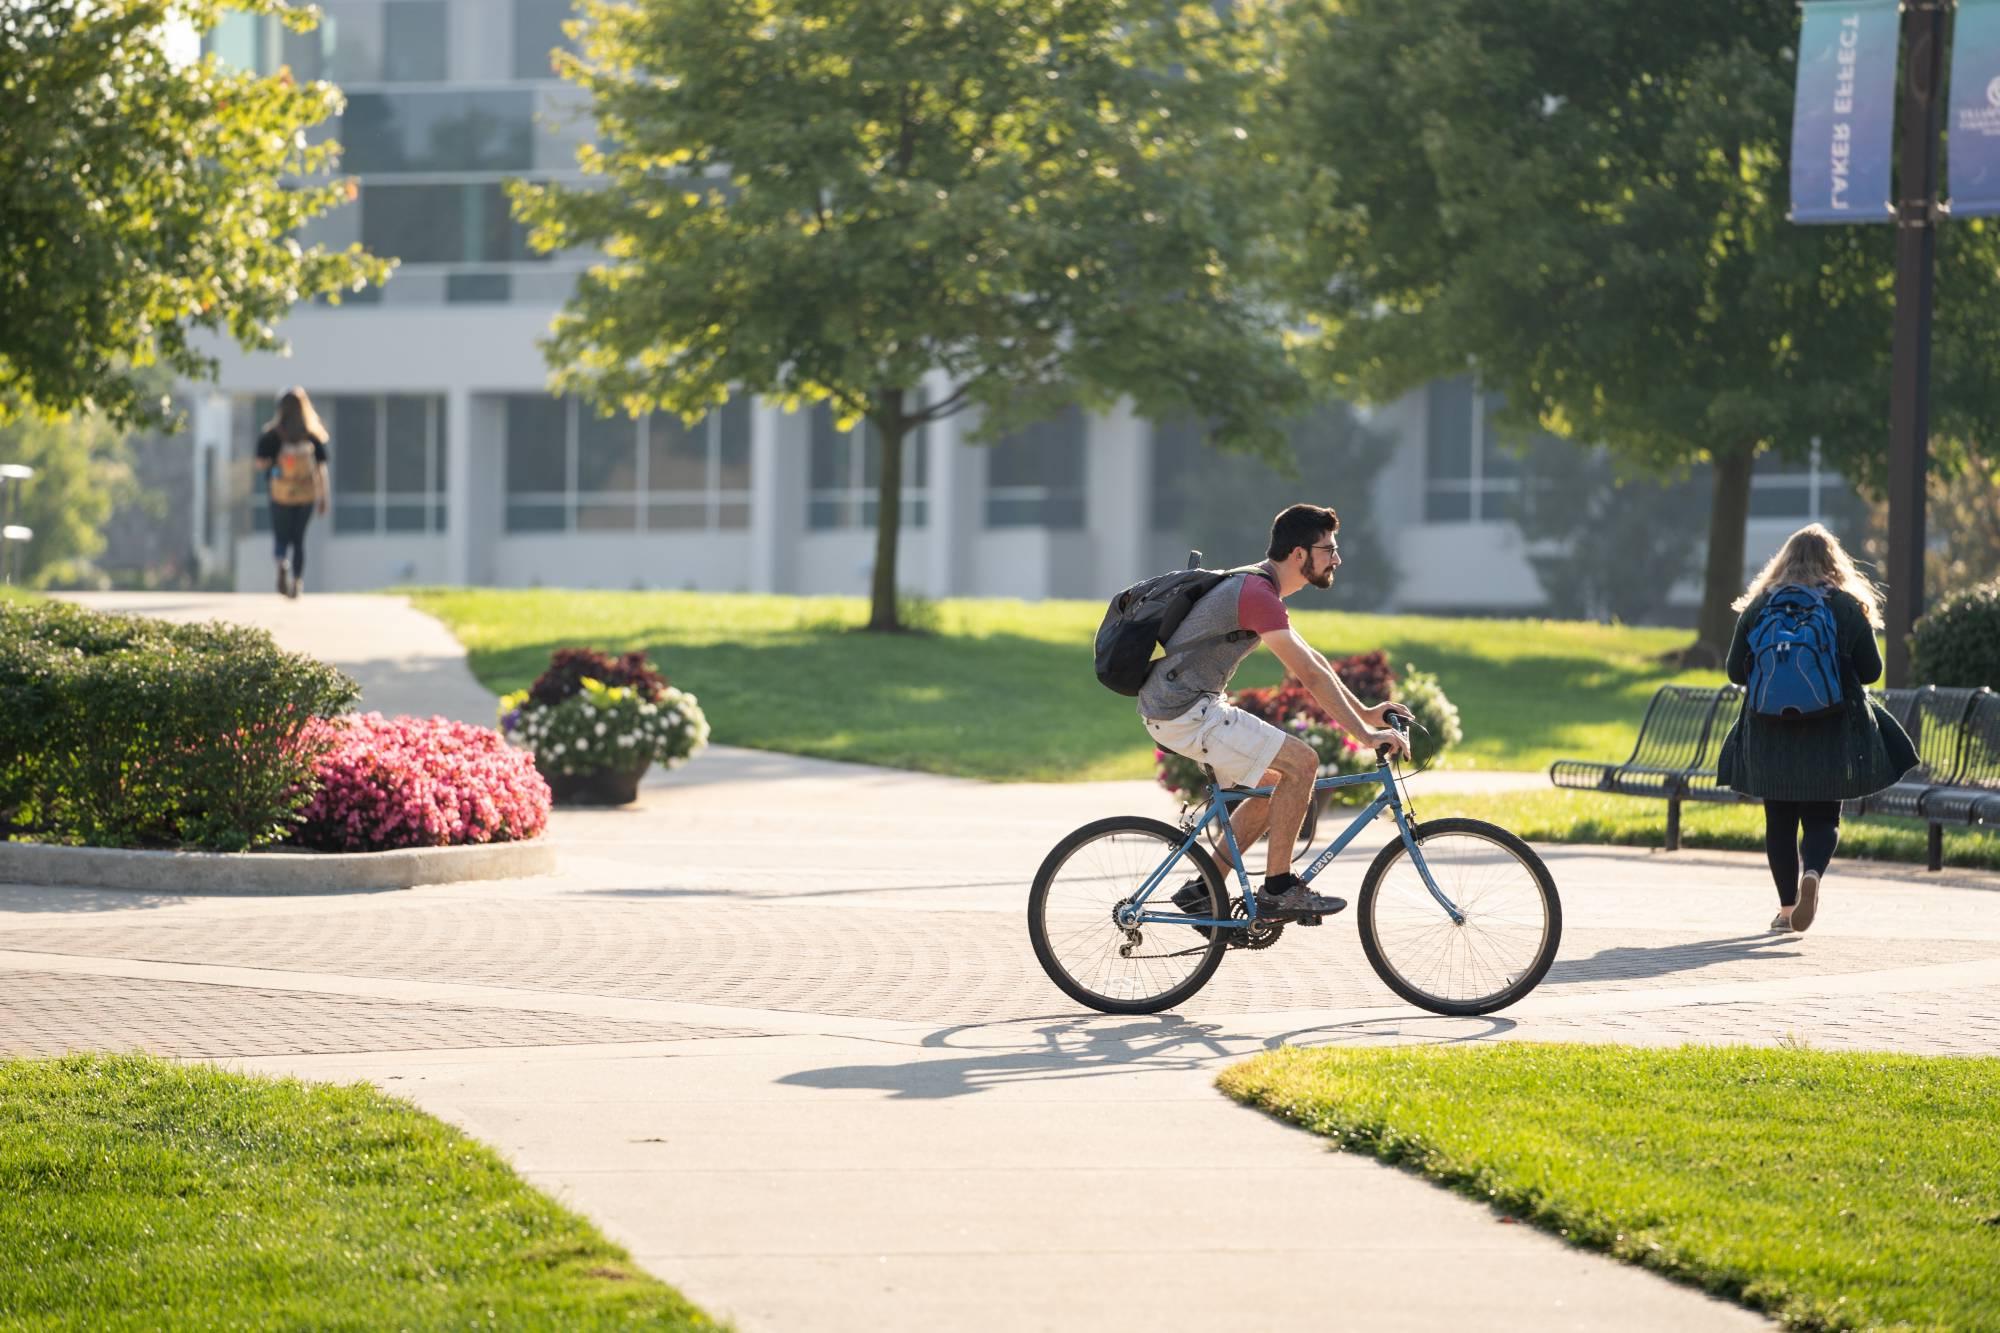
x=1469, y=965
x=1078, y=935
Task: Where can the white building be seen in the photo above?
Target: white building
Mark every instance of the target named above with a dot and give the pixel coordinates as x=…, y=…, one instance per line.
x=453, y=464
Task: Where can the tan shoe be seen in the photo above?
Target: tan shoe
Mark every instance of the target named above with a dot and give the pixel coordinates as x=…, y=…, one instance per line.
x=1781, y=922
x=1808, y=904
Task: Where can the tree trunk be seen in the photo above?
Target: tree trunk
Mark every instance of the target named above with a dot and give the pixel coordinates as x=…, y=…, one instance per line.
x=891, y=425
x=1728, y=517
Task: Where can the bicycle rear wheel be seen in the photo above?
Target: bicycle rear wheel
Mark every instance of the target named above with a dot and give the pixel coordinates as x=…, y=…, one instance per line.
x=1083, y=882
x=1503, y=948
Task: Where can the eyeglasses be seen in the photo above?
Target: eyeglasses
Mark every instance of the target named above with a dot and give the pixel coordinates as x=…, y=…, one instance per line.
x=1331, y=548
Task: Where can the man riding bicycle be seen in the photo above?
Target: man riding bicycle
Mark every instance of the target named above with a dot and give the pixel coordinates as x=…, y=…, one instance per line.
x=1182, y=704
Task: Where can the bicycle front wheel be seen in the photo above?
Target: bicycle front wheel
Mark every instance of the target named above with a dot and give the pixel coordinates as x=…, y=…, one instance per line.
x=1072, y=917
x=1504, y=946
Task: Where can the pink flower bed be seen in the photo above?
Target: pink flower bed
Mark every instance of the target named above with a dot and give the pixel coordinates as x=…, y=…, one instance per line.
x=420, y=782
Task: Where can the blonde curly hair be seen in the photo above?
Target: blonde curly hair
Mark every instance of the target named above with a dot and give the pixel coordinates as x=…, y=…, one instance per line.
x=1814, y=557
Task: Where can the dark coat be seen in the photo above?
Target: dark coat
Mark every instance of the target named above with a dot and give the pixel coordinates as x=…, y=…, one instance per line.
x=1852, y=753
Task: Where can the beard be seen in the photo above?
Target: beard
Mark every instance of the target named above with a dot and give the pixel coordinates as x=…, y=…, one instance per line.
x=1321, y=578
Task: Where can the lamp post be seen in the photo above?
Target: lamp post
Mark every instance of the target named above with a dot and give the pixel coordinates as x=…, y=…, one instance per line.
x=13, y=476
x=1916, y=282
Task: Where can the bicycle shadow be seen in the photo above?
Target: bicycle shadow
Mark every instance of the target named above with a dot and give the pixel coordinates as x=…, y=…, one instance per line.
x=1040, y=1050
x=1631, y=963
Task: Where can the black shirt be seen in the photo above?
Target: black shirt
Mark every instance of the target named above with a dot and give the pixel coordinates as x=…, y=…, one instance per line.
x=267, y=449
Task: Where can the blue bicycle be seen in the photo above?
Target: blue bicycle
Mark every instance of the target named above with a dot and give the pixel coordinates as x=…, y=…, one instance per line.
x=1457, y=916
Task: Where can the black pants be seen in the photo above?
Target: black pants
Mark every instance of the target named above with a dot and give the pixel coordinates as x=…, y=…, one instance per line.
x=288, y=529
x=1795, y=829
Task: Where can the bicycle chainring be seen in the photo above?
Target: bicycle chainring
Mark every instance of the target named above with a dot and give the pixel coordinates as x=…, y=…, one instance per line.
x=1260, y=936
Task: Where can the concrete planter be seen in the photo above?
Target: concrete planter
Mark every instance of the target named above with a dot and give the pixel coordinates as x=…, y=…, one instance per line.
x=272, y=872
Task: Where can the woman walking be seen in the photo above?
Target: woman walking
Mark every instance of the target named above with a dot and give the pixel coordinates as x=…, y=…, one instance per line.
x=292, y=454
x=1808, y=736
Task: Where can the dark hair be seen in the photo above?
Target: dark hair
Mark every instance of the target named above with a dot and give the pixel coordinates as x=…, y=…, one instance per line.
x=1301, y=525
x=295, y=420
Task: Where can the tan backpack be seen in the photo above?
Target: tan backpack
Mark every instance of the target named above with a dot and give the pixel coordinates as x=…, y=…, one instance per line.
x=293, y=474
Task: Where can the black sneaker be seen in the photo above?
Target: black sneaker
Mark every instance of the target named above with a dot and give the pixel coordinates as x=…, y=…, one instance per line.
x=1192, y=898
x=1294, y=902
x=284, y=582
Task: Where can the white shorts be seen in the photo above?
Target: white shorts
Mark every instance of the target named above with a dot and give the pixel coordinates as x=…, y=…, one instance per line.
x=1239, y=746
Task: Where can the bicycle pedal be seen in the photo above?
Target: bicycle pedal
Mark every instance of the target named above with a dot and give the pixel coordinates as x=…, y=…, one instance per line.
x=1308, y=920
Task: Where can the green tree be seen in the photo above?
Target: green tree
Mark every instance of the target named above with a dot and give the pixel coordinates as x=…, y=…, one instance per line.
x=1046, y=201
x=1585, y=199
x=82, y=471
x=144, y=200
x=1224, y=505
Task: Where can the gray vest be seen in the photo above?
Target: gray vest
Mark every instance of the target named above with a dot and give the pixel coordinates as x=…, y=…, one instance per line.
x=1178, y=685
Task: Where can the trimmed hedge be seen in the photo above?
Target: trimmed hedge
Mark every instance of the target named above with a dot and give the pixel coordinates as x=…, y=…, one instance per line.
x=1959, y=642
x=118, y=731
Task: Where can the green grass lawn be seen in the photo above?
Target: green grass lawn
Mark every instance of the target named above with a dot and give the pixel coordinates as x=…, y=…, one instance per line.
x=1833, y=1190
x=1599, y=817
x=137, y=1193
x=1005, y=689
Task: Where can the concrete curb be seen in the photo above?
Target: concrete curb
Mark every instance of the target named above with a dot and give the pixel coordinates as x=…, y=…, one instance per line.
x=263, y=873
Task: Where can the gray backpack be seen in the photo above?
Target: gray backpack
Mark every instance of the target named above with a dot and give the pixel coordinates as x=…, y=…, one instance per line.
x=1145, y=615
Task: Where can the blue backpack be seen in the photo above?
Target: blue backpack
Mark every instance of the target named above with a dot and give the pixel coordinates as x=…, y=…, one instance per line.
x=1794, y=656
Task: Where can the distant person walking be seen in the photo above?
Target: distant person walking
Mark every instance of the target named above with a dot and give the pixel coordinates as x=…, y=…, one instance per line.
x=1808, y=736
x=291, y=454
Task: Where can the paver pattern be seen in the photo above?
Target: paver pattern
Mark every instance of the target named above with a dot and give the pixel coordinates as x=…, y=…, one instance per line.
x=779, y=1029
x=53, y=1013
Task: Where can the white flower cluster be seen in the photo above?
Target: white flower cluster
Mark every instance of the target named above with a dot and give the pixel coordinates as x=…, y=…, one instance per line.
x=606, y=727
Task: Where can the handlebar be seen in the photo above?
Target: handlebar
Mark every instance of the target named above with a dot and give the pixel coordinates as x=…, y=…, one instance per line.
x=1397, y=723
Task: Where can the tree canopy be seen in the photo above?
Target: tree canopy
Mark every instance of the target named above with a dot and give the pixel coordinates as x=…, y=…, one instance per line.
x=1042, y=201
x=1585, y=200
x=143, y=200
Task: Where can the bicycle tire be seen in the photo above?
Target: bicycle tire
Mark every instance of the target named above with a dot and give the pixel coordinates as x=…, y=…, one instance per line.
x=1170, y=839
x=1531, y=977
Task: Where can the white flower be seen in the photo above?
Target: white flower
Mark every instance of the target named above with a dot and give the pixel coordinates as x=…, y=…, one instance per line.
x=582, y=743
x=600, y=728
x=558, y=748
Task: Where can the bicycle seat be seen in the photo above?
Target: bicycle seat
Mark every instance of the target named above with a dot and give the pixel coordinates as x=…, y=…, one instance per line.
x=1246, y=791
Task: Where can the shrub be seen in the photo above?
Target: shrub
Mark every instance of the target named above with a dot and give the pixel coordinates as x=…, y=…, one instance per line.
x=126, y=732
x=605, y=726
x=1437, y=728
x=1959, y=642
x=1367, y=674
x=570, y=667
x=385, y=783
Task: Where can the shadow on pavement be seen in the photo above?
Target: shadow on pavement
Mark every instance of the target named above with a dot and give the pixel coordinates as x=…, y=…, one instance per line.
x=31, y=898
x=1624, y=963
x=1045, y=1049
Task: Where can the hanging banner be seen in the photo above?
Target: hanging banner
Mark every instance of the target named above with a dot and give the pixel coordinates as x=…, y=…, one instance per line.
x=1973, y=148
x=1844, y=118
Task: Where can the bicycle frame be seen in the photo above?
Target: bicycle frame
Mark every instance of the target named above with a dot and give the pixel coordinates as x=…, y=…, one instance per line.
x=1220, y=800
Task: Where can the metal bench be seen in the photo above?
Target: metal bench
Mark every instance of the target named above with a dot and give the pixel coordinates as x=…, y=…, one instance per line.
x=1972, y=796
x=1937, y=720
x=1674, y=756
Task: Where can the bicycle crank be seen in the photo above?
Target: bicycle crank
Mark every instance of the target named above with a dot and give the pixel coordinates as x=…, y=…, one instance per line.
x=1262, y=935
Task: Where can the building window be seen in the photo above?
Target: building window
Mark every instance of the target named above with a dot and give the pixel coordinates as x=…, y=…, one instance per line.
x=571, y=470
x=451, y=130
x=538, y=31
x=387, y=462
x=1469, y=476
x=357, y=41
x=847, y=475
x=1034, y=477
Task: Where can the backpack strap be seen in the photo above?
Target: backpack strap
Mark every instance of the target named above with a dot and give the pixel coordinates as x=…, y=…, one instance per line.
x=1227, y=636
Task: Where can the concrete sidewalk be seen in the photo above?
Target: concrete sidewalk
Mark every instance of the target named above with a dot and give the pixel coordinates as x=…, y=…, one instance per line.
x=778, y=1030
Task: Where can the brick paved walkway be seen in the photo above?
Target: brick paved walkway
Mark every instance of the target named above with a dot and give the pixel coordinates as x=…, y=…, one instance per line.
x=779, y=1030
